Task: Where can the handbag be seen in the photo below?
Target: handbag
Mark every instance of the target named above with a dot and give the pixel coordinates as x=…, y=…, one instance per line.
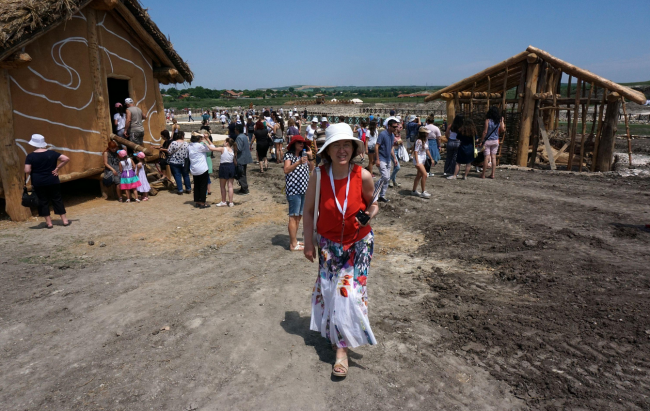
x=107, y=179
x=29, y=199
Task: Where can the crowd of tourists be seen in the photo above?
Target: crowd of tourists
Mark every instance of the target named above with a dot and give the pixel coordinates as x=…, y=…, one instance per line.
x=326, y=186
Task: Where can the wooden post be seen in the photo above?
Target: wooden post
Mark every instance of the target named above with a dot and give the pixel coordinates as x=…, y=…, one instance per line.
x=504, y=92
x=95, y=69
x=574, y=126
x=535, y=130
x=555, y=93
x=627, y=130
x=598, y=131
x=608, y=138
x=457, y=104
x=451, y=111
x=488, y=93
x=584, y=127
x=528, y=109
x=471, y=100
x=11, y=170
x=522, y=85
x=547, y=144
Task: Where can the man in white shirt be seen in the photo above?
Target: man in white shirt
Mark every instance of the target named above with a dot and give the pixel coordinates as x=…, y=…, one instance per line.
x=189, y=113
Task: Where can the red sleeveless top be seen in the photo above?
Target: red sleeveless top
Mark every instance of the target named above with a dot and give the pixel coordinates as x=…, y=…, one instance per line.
x=330, y=219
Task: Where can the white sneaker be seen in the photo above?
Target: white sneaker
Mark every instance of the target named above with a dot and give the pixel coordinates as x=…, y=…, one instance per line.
x=415, y=193
x=221, y=204
x=451, y=178
x=390, y=184
x=231, y=205
x=464, y=177
x=430, y=175
x=425, y=195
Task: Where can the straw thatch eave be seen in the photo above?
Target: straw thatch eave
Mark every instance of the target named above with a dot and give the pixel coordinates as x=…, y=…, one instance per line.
x=23, y=21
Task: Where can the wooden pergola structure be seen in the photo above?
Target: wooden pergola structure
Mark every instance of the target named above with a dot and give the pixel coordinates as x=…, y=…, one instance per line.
x=526, y=88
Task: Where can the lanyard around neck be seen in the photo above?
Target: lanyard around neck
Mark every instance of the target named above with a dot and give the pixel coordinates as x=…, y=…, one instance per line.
x=347, y=190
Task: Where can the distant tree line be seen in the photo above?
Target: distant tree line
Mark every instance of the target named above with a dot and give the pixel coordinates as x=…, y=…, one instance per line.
x=346, y=93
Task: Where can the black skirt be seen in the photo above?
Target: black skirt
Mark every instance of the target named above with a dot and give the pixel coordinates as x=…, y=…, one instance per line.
x=227, y=171
x=465, y=154
x=262, y=150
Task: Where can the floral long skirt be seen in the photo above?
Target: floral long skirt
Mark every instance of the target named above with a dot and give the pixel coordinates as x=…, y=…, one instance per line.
x=339, y=302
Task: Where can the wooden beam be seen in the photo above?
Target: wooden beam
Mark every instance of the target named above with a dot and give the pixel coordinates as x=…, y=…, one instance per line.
x=468, y=94
x=527, y=112
x=11, y=169
x=608, y=137
x=547, y=143
x=131, y=144
x=586, y=75
x=146, y=37
x=17, y=59
x=585, y=108
x=478, y=76
x=162, y=72
x=574, y=127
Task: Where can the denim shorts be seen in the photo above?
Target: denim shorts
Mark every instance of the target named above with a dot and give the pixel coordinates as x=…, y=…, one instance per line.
x=296, y=204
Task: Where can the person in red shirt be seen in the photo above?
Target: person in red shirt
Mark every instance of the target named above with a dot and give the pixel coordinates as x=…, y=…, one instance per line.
x=339, y=299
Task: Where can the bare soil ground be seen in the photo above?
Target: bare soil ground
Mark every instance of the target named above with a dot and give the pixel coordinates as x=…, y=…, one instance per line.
x=527, y=292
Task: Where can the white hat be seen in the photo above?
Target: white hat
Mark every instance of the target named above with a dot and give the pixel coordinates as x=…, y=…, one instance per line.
x=338, y=132
x=323, y=119
x=314, y=120
x=412, y=117
x=37, y=141
x=128, y=100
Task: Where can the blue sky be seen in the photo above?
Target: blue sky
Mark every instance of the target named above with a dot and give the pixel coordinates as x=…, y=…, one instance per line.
x=254, y=44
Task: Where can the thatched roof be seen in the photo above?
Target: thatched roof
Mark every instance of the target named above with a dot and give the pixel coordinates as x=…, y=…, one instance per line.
x=22, y=21
x=514, y=67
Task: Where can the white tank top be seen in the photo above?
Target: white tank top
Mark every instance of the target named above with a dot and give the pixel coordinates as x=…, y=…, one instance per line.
x=227, y=156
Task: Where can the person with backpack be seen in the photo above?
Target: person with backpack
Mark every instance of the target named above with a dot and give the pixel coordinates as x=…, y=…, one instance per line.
x=494, y=124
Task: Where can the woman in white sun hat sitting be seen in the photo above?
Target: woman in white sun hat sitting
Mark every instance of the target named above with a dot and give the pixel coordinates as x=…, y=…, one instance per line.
x=339, y=307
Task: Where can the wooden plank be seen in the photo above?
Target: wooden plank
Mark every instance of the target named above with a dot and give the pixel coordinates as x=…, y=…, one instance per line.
x=17, y=59
x=131, y=144
x=586, y=75
x=574, y=127
x=11, y=169
x=527, y=113
x=547, y=143
x=478, y=76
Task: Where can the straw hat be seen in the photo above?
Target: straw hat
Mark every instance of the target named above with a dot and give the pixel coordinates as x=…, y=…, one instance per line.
x=37, y=141
x=338, y=132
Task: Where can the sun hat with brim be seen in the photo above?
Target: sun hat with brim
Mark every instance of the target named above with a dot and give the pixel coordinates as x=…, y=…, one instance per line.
x=295, y=139
x=314, y=120
x=412, y=117
x=423, y=129
x=37, y=141
x=323, y=119
x=339, y=132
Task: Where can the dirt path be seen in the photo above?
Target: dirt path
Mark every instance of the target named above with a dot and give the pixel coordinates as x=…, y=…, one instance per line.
x=465, y=318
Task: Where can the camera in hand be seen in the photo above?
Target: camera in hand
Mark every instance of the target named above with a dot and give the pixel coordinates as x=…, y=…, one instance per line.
x=363, y=217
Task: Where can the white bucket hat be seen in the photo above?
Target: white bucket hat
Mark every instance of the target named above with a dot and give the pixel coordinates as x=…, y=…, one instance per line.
x=37, y=141
x=412, y=117
x=323, y=119
x=314, y=120
x=338, y=132
x=128, y=100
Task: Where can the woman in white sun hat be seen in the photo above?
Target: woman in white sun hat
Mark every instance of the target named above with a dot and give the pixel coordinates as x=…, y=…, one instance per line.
x=339, y=300
x=43, y=166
